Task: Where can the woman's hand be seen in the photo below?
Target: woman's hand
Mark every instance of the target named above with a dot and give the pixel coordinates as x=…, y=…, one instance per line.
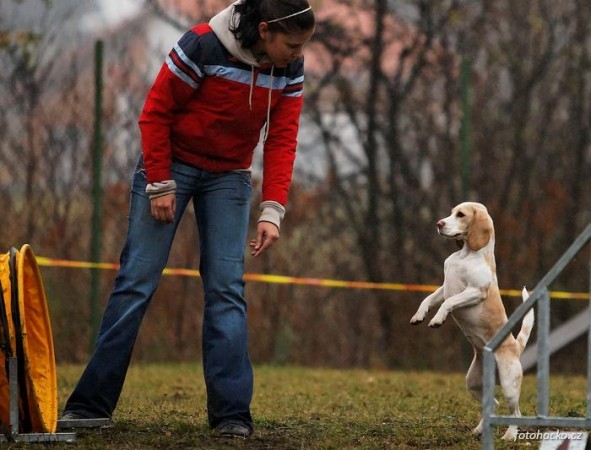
x=267, y=234
x=164, y=208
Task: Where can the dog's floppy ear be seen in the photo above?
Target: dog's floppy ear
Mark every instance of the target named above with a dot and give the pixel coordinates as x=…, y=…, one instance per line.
x=480, y=230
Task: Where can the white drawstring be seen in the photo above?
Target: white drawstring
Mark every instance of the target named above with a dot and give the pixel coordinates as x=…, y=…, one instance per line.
x=266, y=133
x=251, y=87
x=268, y=107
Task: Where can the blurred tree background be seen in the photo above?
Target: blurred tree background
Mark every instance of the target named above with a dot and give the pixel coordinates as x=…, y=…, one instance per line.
x=411, y=107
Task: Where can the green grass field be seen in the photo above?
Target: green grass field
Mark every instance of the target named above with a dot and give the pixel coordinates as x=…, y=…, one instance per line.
x=163, y=407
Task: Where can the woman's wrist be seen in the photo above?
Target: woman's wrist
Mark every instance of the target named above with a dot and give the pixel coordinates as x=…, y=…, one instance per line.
x=272, y=212
x=161, y=188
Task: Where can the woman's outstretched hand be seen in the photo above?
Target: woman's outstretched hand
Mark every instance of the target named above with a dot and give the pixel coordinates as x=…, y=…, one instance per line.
x=267, y=234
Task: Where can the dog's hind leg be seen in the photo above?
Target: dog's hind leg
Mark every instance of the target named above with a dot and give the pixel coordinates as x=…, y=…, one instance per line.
x=474, y=385
x=511, y=376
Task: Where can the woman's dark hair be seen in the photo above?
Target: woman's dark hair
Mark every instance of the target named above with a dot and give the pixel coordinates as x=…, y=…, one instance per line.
x=249, y=13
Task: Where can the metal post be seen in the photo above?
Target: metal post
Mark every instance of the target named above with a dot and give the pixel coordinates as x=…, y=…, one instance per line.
x=97, y=193
x=13, y=395
x=543, y=353
x=488, y=398
x=589, y=348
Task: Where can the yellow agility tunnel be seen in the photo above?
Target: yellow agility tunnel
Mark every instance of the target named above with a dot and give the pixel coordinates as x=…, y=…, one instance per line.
x=26, y=335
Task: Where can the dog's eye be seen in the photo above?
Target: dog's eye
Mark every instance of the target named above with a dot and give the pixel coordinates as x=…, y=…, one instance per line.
x=460, y=214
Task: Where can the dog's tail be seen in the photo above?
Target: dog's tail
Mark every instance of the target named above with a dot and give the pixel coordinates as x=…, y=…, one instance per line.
x=527, y=324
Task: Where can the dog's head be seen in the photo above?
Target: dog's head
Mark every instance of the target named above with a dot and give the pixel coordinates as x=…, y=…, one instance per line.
x=469, y=222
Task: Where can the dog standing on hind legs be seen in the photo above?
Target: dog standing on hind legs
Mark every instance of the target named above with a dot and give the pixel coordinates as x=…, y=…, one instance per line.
x=470, y=292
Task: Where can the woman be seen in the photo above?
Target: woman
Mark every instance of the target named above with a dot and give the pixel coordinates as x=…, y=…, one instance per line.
x=224, y=86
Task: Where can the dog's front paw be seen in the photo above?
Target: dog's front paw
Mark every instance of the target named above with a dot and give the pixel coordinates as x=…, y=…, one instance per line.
x=418, y=317
x=438, y=320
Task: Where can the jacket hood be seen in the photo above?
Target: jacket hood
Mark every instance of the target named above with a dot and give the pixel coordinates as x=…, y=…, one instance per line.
x=220, y=24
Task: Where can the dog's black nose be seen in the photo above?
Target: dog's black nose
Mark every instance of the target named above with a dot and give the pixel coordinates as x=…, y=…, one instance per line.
x=440, y=224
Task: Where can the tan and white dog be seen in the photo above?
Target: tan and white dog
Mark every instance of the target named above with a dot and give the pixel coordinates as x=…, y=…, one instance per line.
x=470, y=293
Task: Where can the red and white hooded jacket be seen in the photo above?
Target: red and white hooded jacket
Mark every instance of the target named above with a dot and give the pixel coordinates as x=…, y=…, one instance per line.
x=209, y=104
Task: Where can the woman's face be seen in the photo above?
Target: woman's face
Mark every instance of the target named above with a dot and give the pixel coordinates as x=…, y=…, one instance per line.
x=282, y=48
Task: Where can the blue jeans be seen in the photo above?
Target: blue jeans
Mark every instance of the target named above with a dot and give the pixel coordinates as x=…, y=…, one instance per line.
x=221, y=202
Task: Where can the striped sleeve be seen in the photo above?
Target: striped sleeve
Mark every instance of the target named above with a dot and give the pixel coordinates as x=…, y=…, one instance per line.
x=183, y=59
x=294, y=87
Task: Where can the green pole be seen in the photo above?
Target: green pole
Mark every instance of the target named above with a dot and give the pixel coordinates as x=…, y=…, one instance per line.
x=465, y=129
x=97, y=192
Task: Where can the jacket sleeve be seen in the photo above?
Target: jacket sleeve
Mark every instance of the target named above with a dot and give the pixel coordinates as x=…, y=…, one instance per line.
x=280, y=146
x=176, y=82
